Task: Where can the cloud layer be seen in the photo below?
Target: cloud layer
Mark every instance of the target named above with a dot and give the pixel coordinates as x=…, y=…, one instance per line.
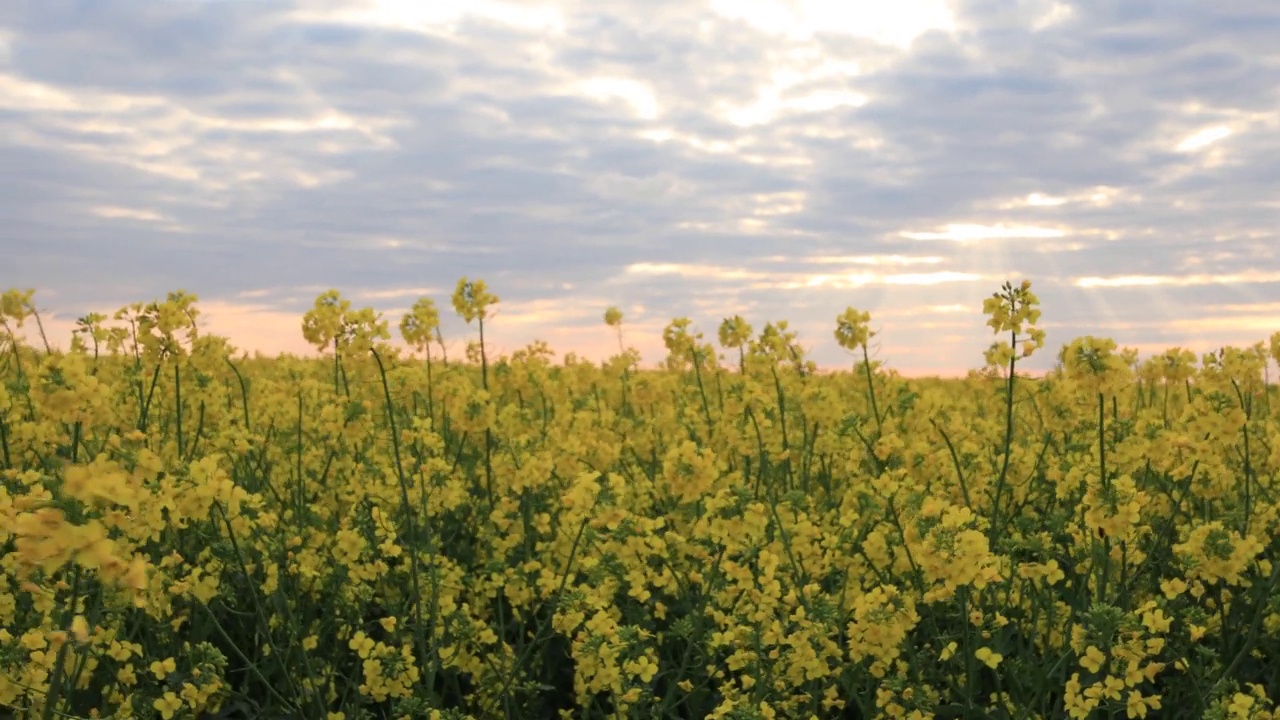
x=758, y=157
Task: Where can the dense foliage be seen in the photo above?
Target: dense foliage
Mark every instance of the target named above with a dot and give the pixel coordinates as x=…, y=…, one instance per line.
x=191, y=533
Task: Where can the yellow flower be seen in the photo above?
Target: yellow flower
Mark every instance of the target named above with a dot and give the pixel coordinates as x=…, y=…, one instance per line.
x=644, y=668
x=1173, y=587
x=988, y=656
x=80, y=629
x=852, y=329
x=1093, y=659
x=1241, y=705
x=419, y=325
x=362, y=644
x=1137, y=705
x=1094, y=366
x=612, y=316
x=168, y=706
x=1156, y=621
x=163, y=668
x=471, y=300
x=33, y=640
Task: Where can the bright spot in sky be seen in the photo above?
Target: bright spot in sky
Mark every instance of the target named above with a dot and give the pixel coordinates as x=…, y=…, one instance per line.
x=965, y=233
x=422, y=14
x=892, y=23
x=1204, y=138
x=636, y=94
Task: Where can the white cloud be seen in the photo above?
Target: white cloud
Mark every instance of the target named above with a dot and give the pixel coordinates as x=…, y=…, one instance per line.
x=1054, y=14
x=398, y=293
x=156, y=134
x=637, y=95
x=764, y=157
x=770, y=105
x=1038, y=200
x=859, y=259
x=441, y=16
x=108, y=211
x=1203, y=138
x=970, y=232
x=1119, y=281
x=897, y=23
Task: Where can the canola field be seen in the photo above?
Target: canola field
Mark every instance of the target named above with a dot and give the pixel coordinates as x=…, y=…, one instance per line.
x=190, y=532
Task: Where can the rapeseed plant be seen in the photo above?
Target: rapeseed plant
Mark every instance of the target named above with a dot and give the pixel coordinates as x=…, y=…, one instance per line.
x=189, y=533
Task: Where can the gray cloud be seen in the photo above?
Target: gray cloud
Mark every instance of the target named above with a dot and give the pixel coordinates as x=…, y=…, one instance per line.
x=658, y=156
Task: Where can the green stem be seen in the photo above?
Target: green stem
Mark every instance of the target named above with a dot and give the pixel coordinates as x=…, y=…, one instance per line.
x=697, y=373
x=244, y=392
x=177, y=395
x=871, y=388
x=488, y=431
x=146, y=405
x=782, y=422
x=955, y=460
x=996, y=527
x=1102, y=473
x=58, y=675
x=406, y=508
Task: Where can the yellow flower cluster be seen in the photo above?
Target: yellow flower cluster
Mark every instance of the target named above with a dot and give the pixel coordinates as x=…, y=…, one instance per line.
x=389, y=531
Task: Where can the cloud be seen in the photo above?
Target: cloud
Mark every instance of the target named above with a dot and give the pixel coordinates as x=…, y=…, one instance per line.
x=774, y=158
x=967, y=233
x=1179, y=280
x=1202, y=139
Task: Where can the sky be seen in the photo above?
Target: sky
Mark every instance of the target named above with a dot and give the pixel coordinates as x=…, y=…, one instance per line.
x=775, y=159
